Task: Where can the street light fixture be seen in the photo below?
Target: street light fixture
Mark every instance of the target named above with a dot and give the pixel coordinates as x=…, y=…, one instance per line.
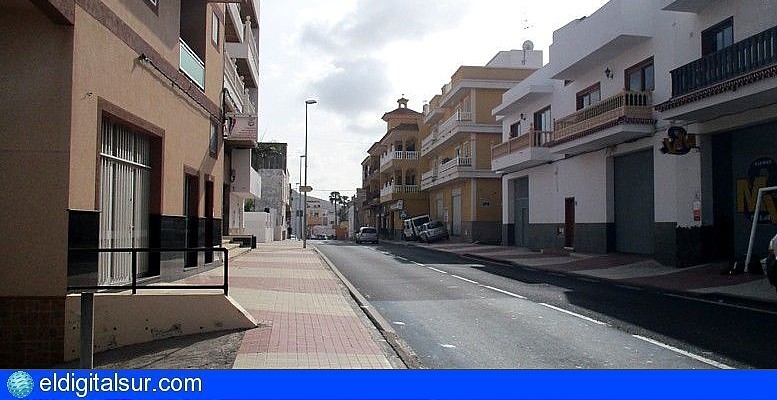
x=305, y=196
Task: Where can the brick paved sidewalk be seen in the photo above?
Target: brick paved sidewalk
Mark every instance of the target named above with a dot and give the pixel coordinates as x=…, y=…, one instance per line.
x=307, y=318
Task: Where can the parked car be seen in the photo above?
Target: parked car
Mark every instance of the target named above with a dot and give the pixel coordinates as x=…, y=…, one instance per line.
x=411, y=226
x=367, y=234
x=433, y=231
x=293, y=237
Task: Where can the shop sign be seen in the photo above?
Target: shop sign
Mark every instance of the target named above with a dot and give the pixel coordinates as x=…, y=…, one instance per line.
x=678, y=141
x=762, y=173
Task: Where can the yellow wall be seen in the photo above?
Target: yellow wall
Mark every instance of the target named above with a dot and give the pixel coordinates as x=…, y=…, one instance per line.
x=35, y=76
x=491, y=191
x=485, y=101
x=107, y=68
x=483, y=148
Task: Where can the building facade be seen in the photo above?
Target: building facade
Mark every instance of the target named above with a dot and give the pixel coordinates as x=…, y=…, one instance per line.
x=270, y=161
x=463, y=190
x=398, y=171
x=647, y=135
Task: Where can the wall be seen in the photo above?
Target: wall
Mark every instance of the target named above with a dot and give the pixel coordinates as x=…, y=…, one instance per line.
x=35, y=152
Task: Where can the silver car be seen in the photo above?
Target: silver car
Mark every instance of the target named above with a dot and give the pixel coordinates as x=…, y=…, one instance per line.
x=432, y=231
x=367, y=234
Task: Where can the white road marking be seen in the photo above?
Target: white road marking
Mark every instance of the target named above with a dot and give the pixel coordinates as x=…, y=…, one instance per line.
x=437, y=270
x=721, y=304
x=418, y=264
x=504, y=292
x=448, y=346
x=465, y=279
x=398, y=323
x=685, y=353
x=574, y=314
x=400, y=258
x=629, y=287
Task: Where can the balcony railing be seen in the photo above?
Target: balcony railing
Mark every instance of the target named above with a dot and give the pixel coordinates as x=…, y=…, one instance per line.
x=456, y=162
x=191, y=65
x=533, y=138
x=428, y=142
x=398, y=155
x=428, y=177
x=241, y=93
x=751, y=54
x=399, y=189
x=627, y=104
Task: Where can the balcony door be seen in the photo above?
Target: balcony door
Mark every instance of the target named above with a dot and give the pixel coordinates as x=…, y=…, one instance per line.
x=456, y=215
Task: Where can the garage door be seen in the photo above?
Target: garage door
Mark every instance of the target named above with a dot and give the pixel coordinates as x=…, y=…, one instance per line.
x=634, y=203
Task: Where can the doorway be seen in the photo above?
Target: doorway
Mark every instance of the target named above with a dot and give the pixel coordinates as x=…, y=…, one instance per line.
x=521, y=217
x=569, y=222
x=191, y=206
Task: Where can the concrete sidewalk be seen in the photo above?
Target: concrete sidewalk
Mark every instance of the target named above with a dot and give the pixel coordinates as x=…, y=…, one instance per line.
x=624, y=269
x=307, y=318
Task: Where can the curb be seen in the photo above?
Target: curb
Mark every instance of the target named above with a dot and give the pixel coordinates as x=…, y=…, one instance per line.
x=403, y=350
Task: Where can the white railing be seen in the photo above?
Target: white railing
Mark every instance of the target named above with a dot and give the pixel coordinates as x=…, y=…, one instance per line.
x=428, y=142
x=428, y=178
x=398, y=155
x=399, y=189
x=456, y=162
x=458, y=118
x=240, y=92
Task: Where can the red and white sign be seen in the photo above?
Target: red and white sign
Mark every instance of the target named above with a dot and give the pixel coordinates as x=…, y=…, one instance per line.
x=243, y=126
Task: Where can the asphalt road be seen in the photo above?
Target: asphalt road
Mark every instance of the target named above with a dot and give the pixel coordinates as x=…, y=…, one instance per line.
x=460, y=313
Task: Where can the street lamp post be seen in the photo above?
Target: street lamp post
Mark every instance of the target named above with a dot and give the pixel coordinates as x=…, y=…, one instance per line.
x=305, y=196
x=298, y=222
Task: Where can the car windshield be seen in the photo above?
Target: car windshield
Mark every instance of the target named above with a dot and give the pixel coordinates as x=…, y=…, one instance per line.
x=420, y=221
x=368, y=230
x=435, y=224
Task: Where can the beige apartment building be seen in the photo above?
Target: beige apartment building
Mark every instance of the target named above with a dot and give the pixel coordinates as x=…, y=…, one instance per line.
x=393, y=172
x=463, y=190
x=112, y=137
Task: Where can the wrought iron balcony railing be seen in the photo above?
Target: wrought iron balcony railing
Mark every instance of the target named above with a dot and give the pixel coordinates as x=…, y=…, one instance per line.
x=749, y=55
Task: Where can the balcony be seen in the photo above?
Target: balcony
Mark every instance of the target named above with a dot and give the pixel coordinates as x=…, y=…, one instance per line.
x=246, y=182
x=690, y=6
x=521, y=152
x=587, y=43
x=191, y=64
x=617, y=119
x=428, y=178
x=451, y=170
x=237, y=94
x=246, y=54
x=389, y=158
x=459, y=123
x=752, y=54
x=396, y=192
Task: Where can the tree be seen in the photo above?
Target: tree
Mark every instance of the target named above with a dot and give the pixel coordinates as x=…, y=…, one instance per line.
x=335, y=199
x=345, y=203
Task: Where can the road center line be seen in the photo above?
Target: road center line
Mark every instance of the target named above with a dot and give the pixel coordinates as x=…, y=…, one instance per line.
x=574, y=314
x=504, y=292
x=465, y=279
x=437, y=270
x=721, y=304
x=683, y=352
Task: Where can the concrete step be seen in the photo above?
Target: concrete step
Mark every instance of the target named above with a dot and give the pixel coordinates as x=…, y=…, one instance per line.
x=237, y=251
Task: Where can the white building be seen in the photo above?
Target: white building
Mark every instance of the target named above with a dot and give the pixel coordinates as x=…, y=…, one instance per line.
x=582, y=160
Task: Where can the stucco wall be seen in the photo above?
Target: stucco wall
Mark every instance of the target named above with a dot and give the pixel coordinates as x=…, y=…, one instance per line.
x=35, y=130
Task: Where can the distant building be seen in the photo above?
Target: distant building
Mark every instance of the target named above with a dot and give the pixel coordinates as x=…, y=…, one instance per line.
x=270, y=162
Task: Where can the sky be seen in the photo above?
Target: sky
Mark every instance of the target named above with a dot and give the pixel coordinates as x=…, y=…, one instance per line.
x=357, y=57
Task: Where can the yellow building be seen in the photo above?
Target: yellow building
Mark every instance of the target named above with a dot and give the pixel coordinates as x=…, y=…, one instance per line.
x=370, y=207
x=112, y=137
x=462, y=189
x=398, y=171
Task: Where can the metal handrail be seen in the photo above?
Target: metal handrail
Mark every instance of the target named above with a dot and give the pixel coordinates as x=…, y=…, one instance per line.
x=134, y=283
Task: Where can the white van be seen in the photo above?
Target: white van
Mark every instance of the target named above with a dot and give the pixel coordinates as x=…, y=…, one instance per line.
x=412, y=227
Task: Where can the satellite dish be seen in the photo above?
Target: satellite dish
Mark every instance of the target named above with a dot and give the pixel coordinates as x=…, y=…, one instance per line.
x=528, y=45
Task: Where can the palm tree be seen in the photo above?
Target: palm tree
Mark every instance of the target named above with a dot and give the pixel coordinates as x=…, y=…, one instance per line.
x=345, y=202
x=335, y=199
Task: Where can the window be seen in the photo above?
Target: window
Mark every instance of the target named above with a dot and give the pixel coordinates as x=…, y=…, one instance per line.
x=717, y=37
x=214, y=31
x=639, y=78
x=542, y=121
x=153, y=4
x=515, y=129
x=589, y=96
x=213, y=142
